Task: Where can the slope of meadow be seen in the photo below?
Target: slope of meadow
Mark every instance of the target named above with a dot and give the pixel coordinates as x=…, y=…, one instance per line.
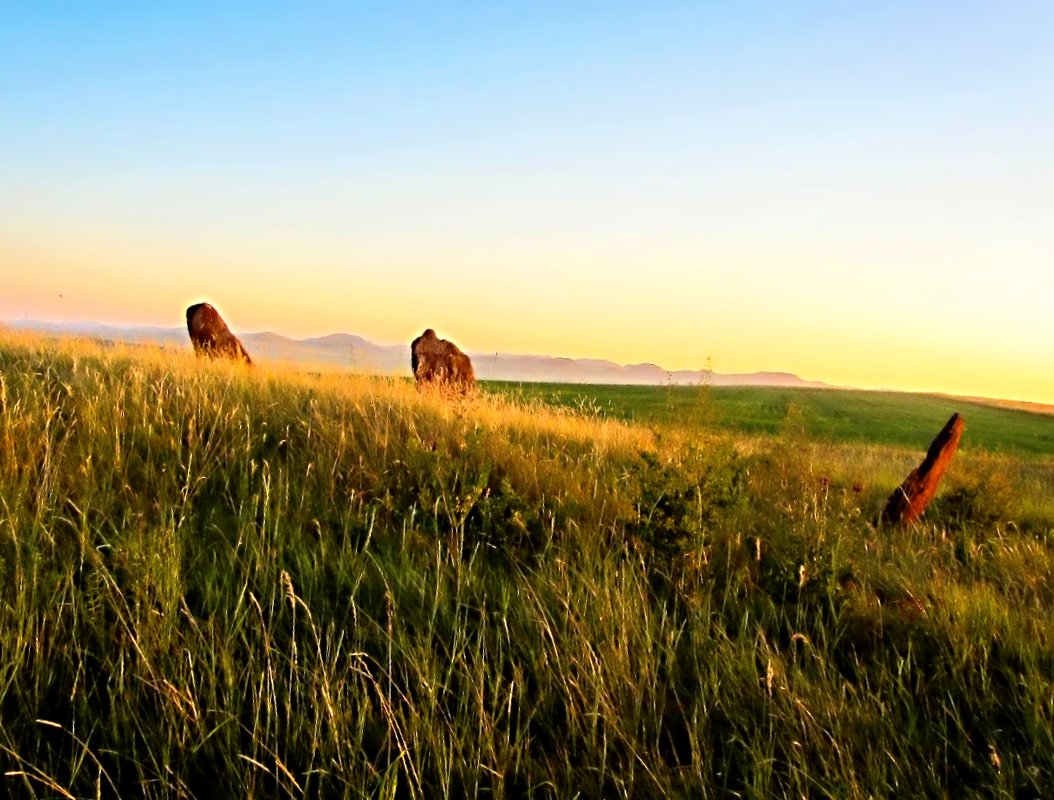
x=295, y=585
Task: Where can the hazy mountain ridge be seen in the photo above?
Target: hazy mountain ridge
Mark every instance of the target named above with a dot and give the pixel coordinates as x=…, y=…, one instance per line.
x=359, y=354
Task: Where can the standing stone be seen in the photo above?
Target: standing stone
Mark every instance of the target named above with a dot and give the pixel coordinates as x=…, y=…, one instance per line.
x=439, y=362
x=908, y=503
x=211, y=336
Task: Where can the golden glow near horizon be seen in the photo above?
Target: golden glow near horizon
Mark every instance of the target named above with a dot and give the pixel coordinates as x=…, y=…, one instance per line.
x=778, y=198
x=741, y=309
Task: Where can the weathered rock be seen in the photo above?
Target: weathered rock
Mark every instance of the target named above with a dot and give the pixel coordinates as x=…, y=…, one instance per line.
x=908, y=502
x=439, y=362
x=211, y=336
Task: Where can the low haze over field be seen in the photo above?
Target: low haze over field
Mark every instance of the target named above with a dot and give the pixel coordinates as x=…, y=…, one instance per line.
x=857, y=193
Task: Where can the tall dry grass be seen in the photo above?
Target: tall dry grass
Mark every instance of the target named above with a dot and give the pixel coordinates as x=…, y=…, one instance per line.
x=273, y=583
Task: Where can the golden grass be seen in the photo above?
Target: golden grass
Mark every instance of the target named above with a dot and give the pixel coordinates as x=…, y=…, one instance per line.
x=311, y=584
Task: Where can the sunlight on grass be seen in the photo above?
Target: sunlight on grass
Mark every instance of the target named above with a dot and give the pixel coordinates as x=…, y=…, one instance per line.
x=317, y=584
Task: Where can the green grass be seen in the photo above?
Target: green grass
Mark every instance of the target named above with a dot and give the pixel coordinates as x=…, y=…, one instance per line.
x=892, y=418
x=273, y=584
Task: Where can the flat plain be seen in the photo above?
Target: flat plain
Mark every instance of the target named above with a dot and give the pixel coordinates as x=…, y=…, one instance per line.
x=822, y=415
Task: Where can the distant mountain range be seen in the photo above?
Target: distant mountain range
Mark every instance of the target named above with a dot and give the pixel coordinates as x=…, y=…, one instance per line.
x=361, y=355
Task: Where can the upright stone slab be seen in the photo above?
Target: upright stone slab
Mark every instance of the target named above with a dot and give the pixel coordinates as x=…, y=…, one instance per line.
x=908, y=503
x=210, y=335
x=438, y=362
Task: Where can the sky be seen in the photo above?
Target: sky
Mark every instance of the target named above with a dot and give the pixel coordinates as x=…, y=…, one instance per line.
x=857, y=192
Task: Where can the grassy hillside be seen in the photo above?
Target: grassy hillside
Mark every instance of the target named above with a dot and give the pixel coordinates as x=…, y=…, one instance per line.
x=893, y=418
x=285, y=585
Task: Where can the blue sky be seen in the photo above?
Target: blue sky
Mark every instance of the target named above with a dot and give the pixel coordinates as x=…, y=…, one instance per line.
x=858, y=192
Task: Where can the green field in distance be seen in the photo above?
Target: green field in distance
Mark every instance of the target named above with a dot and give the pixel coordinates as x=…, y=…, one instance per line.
x=833, y=415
